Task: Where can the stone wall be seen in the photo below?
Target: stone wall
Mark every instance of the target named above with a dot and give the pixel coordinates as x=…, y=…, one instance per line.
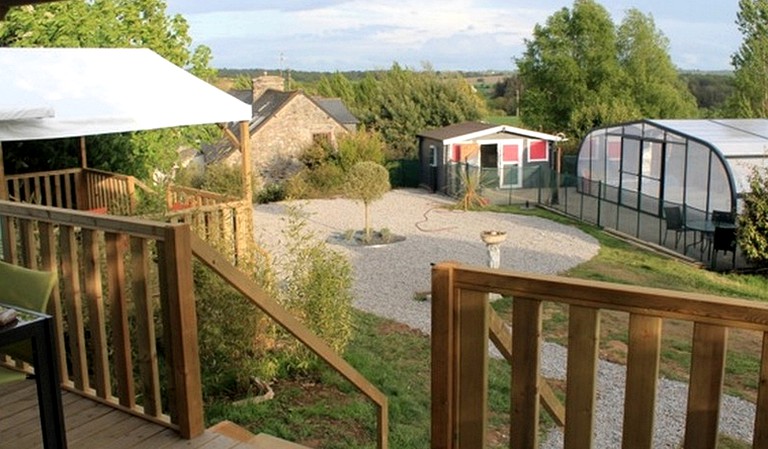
x=276, y=146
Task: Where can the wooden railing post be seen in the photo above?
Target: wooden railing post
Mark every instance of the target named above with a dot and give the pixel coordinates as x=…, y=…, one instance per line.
x=583, y=352
x=705, y=386
x=443, y=336
x=642, y=379
x=526, y=380
x=182, y=329
x=459, y=363
x=472, y=368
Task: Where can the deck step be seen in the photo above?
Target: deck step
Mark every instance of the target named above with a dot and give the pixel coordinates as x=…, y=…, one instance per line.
x=260, y=441
x=264, y=441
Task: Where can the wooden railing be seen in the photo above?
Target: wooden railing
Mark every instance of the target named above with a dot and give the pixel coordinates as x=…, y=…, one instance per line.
x=179, y=198
x=58, y=188
x=77, y=188
x=228, y=226
x=463, y=323
x=126, y=326
x=216, y=261
x=124, y=308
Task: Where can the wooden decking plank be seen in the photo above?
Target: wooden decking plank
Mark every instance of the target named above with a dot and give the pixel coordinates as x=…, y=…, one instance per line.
x=140, y=437
x=91, y=425
x=100, y=432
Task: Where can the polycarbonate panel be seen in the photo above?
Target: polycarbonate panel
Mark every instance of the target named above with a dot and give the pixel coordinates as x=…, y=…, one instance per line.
x=697, y=181
x=630, y=159
x=653, y=132
x=719, y=187
x=674, y=175
x=634, y=129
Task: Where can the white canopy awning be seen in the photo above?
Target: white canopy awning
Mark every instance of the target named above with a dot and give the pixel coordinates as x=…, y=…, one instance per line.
x=48, y=93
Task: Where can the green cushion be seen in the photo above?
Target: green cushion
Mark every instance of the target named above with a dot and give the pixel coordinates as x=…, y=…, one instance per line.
x=7, y=375
x=25, y=288
x=29, y=289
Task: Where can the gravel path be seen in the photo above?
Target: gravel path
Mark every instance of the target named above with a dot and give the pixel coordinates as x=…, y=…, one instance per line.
x=387, y=279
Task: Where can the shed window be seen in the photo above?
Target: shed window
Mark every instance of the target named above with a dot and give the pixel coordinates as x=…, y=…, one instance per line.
x=537, y=151
x=511, y=153
x=456, y=153
x=489, y=156
x=432, y=156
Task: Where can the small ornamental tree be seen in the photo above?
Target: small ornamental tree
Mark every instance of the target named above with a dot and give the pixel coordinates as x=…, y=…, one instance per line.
x=367, y=182
x=753, y=221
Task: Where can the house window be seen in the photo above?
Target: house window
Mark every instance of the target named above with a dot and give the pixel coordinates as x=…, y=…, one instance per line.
x=537, y=151
x=432, y=156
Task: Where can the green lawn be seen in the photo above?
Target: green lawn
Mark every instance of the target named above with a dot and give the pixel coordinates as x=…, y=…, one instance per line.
x=325, y=412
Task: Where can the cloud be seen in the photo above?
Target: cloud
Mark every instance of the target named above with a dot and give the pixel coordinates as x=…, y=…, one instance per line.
x=365, y=34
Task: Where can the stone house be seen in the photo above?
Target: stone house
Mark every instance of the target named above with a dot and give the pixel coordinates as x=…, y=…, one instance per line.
x=283, y=125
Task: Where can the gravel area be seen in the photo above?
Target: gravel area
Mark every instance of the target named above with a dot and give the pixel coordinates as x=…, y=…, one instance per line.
x=387, y=279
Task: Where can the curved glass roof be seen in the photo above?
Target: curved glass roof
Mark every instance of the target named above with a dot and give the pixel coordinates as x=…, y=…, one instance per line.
x=733, y=137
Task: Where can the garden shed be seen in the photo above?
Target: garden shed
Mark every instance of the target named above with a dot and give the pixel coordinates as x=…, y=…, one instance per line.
x=504, y=158
x=699, y=165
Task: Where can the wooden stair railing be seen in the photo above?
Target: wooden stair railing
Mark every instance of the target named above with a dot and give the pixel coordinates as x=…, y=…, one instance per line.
x=462, y=323
x=248, y=288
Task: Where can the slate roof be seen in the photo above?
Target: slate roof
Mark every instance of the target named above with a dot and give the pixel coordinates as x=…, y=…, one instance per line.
x=336, y=109
x=265, y=107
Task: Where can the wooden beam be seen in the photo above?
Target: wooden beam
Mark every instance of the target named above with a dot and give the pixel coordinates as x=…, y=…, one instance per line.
x=245, y=151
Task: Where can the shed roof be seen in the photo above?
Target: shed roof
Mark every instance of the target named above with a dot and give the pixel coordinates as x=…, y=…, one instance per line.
x=48, y=93
x=474, y=130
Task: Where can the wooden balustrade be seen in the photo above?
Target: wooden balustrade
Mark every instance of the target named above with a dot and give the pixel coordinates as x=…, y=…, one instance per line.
x=124, y=307
x=260, y=298
x=77, y=188
x=226, y=226
x=57, y=188
x=463, y=322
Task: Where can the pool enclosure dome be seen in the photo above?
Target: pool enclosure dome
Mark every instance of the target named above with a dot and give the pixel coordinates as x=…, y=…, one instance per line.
x=699, y=165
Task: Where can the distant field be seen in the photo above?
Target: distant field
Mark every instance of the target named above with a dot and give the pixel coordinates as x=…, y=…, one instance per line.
x=503, y=120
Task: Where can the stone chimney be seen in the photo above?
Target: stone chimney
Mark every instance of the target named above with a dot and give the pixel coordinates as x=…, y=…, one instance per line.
x=264, y=82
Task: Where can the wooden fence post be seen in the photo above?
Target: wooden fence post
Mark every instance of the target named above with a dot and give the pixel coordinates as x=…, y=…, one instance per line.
x=182, y=331
x=443, y=335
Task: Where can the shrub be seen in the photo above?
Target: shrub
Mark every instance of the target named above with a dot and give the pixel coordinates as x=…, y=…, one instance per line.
x=233, y=333
x=323, y=181
x=753, y=221
x=224, y=179
x=360, y=147
x=367, y=182
x=271, y=193
x=317, y=289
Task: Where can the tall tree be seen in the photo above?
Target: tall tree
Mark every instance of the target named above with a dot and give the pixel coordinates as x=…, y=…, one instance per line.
x=108, y=23
x=652, y=80
x=400, y=102
x=571, y=72
x=750, y=62
x=579, y=71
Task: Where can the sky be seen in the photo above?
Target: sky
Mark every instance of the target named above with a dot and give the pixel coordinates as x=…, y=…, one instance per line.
x=467, y=35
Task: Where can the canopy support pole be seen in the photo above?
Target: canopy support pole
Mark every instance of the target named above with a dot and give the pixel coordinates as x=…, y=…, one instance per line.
x=3, y=184
x=245, y=151
x=83, y=156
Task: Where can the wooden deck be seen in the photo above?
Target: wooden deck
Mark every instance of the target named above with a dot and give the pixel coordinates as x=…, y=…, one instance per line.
x=91, y=425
